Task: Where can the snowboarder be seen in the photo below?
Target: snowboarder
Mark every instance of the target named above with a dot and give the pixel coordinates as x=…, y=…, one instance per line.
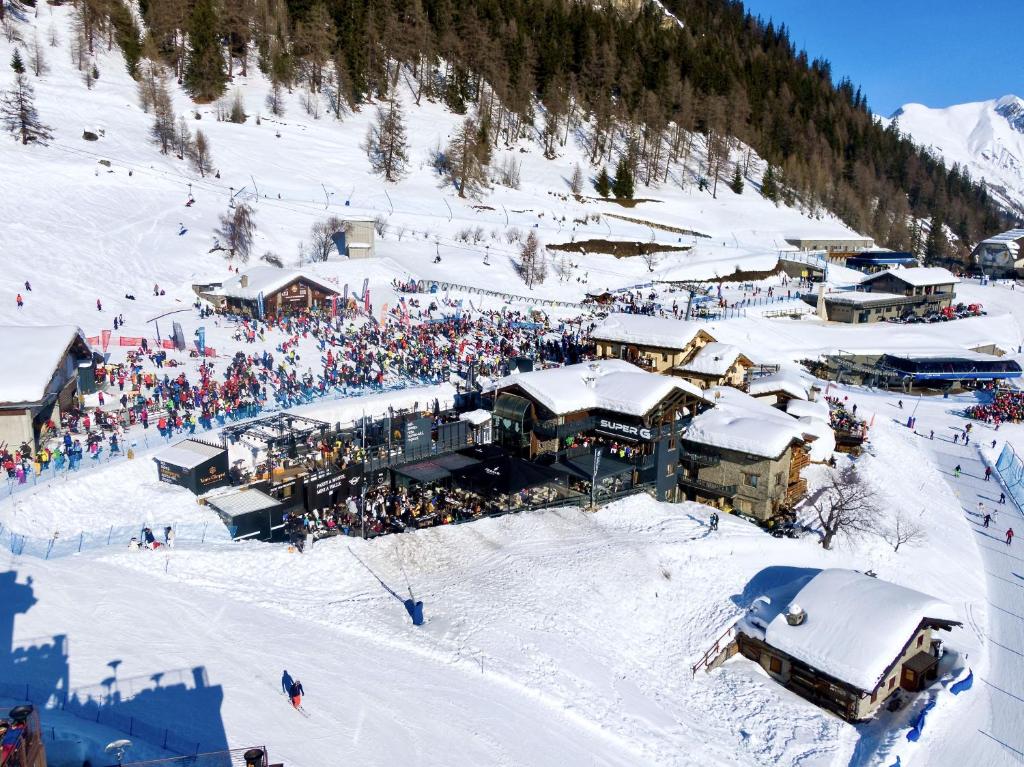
x=1009, y=536
x=988, y=473
x=931, y=434
x=900, y=403
x=99, y=305
x=993, y=444
x=988, y=518
x=956, y=470
x=295, y=692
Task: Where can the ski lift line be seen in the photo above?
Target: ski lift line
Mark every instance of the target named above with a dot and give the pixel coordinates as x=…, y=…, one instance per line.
x=295, y=206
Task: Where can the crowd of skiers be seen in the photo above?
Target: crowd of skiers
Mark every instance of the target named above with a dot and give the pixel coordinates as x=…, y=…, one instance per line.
x=1005, y=407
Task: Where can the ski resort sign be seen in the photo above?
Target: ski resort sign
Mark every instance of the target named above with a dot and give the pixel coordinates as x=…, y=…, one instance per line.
x=633, y=432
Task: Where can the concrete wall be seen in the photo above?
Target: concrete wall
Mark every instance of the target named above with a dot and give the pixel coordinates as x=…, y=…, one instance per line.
x=16, y=428
x=772, y=475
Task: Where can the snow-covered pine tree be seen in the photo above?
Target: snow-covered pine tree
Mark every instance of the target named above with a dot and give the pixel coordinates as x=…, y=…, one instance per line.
x=19, y=115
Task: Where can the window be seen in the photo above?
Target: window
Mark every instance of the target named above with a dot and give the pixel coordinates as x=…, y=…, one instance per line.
x=670, y=469
x=920, y=640
x=778, y=479
x=892, y=683
x=750, y=480
x=874, y=695
x=774, y=664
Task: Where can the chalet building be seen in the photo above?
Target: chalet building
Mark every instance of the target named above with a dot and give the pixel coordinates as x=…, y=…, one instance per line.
x=656, y=344
x=932, y=286
x=746, y=456
x=267, y=290
x=889, y=294
x=715, y=364
x=537, y=412
x=45, y=368
x=846, y=641
x=1000, y=256
x=779, y=387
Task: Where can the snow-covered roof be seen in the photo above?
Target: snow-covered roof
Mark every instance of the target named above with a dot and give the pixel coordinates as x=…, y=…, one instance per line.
x=747, y=425
x=31, y=355
x=1009, y=236
x=266, y=280
x=188, y=453
x=785, y=380
x=862, y=297
x=645, y=330
x=476, y=417
x=801, y=408
x=613, y=385
x=243, y=501
x=856, y=626
x=713, y=359
x=918, y=276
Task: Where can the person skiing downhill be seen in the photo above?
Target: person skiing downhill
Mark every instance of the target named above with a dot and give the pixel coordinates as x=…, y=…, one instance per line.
x=295, y=692
x=988, y=473
x=988, y=518
x=20, y=300
x=956, y=470
x=1009, y=536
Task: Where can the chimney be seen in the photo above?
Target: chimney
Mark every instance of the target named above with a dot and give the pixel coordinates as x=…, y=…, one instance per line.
x=795, y=615
x=243, y=281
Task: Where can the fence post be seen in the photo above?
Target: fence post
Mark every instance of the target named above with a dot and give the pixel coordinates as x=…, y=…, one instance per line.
x=49, y=548
x=81, y=538
x=110, y=534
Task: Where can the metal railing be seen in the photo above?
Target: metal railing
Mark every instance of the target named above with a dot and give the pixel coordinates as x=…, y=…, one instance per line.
x=726, y=491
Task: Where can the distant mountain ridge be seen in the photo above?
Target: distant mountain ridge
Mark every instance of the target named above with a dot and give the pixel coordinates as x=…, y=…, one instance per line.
x=985, y=137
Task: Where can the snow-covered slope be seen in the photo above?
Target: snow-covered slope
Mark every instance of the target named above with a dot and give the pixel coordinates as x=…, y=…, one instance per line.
x=985, y=137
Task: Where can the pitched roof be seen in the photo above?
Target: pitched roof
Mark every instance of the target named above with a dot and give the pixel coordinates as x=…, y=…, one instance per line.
x=918, y=276
x=266, y=280
x=784, y=380
x=856, y=626
x=713, y=359
x=188, y=453
x=744, y=424
x=613, y=385
x=645, y=330
x=32, y=355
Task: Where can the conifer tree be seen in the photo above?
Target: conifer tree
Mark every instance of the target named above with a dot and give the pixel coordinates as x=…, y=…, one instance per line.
x=737, y=180
x=16, y=63
x=19, y=115
x=622, y=188
x=576, y=182
x=467, y=173
x=386, y=143
x=603, y=184
x=204, y=73
x=769, y=187
x=936, y=246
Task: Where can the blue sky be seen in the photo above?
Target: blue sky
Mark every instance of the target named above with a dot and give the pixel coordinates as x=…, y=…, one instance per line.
x=935, y=53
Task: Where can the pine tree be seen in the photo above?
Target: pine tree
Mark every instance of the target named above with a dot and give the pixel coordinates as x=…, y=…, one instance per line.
x=19, y=115
x=603, y=184
x=16, y=63
x=532, y=266
x=576, y=182
x=769, y=187
x=204, y=73
x=162, y=131
x=467, y=173
x=199, y=154
x=936, y=246
x=737, y=180
x=237, y=228
x=386, y=143
x=622, y=188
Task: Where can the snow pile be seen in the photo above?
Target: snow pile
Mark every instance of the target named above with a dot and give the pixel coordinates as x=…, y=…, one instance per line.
x=787, y=380
x=917, y=276
x=856, y=625
x=800, y=408
x=742, y=423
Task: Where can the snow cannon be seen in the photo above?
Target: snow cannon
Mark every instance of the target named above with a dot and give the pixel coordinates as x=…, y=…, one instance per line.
x=795, y=615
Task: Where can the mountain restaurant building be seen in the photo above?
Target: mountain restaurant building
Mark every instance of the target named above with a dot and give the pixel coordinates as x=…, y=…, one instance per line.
x=847, y=641
x=267, y=290
x=192, y=463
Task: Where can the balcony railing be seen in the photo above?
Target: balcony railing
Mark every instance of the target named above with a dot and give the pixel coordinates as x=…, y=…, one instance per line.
x=708, y=488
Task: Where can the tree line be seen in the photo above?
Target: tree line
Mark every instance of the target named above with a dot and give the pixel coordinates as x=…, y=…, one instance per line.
x=641, y=92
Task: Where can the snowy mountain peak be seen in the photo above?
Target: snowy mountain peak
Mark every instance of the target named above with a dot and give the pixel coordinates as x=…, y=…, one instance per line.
x=984, y=137
x=1012, y=109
